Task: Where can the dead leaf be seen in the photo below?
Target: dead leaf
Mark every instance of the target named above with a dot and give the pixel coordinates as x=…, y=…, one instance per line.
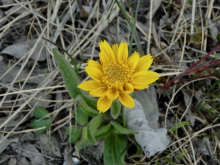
x=151, y=140
x=4, y=144
x=13, y=161
x=12, y=73
x=29, y=151
x=21, y=49
x=148, y=100
x=49, y=146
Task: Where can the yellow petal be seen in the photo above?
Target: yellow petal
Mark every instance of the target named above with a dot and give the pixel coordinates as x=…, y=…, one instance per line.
x=104, y=104
x=103, y=58
x=152, y=74
x=133, y=60
x=112, y=94
x=107, y=50
x=128, y=88
x=115, y=49
x=140, y=85
x=94, y=73
x=98, y=92
x=143, y=81
x=89, y=85
x=146, y=76
x=152, y=80
x=140, y=73
x=94, y=64
x=123, y=52
x=137, y=87
x=144, y=63
x=126, y=100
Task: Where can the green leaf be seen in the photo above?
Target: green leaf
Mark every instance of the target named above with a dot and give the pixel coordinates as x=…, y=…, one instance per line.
x=82, y=144
x=170, y=161
x=131, y=24
x=91, y=101
x=121, y=129
x=196, y=28
x=41, y=123
x=81, y=117
x=103, y=131
x=71, y=81
x=218, y=37
x=40, y=112
x=181, y=156
x=92, y=127
x=74, y=133
x=70, y=78
x=115, y=109
x=139, y=151
x=84, y=132
x=87, y=109
x=190, y=1
x=72, y=60
x=181, y=124
x=114, y=149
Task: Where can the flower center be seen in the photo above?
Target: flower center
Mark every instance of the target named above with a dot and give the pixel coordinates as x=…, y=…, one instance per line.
x=116, y=74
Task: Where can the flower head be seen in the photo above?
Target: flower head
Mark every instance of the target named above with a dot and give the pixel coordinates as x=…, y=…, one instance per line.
x=117, y=75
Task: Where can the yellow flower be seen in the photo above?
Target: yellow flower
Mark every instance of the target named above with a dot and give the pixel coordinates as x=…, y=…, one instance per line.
x=116, y=76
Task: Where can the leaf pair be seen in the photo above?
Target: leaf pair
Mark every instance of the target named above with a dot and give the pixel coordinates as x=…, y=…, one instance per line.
x=44, y=121
x=74, y=133
x=96, y=130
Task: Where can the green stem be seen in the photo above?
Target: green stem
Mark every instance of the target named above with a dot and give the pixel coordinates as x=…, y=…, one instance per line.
x=123, y=116
x=133, y=27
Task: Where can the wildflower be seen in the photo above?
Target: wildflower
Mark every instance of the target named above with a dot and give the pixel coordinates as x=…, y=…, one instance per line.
x=116, y=76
